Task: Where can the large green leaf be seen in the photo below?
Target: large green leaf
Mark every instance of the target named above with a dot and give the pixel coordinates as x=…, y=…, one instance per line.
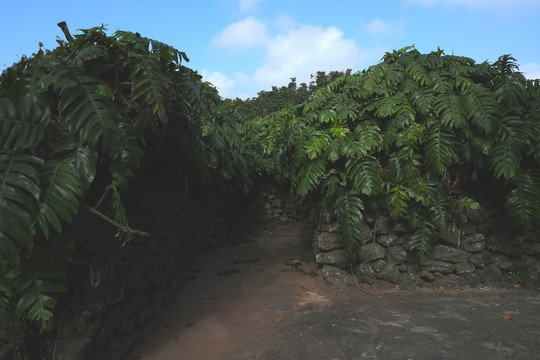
x=365, y=174
x=61, y=190
x=349, y=207
x=19, y=196
x=438, y=148
x=522, y=204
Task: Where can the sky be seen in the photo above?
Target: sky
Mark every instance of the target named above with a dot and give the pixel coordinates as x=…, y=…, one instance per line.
x=245, y=46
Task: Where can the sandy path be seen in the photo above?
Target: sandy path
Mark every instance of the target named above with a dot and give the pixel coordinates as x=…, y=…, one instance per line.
x=223, y=314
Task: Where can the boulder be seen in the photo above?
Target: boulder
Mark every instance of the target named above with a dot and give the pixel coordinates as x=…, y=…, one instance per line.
x=365, y=273
x=449, y=254
x=464, y=268
x=387, y=240
x=337, y=277
x=437, y=266
x=383, y=225
x=448, y=237
x=397, y=254
x=390, y=273
x=371, y=252
x=473, y=243
x=337, y=257
x=328, y=241
x=477, y=216
x=482, y=259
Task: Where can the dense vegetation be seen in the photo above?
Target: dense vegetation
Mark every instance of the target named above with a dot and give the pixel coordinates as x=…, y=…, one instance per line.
x=417, y=135
x=411, y=135
x=75, y=123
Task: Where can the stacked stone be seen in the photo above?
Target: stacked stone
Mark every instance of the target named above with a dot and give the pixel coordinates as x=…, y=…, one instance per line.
x=473, y=252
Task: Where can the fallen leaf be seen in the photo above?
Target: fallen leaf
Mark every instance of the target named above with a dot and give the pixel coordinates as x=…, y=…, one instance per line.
x=517, y=286
x=480, y=288
x=276, y=320
x=444, y=291
x=461, y=288
x=507, y=317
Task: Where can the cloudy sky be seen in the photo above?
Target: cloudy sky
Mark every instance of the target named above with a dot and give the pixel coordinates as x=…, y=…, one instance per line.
x=244, y=46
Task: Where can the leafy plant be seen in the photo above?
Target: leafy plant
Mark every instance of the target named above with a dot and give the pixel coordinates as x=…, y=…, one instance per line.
x=408, y=134
x=74, y=124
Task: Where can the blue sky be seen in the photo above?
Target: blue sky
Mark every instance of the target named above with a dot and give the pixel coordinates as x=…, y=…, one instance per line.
x=244, y=46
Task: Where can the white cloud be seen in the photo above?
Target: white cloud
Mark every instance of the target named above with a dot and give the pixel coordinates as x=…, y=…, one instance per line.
x=530, y=70
x=244, y=34
x=248, y=5
x=304, y=51
x=485, y=4
x=380, y=27
x=295, y=51
x=221, y=81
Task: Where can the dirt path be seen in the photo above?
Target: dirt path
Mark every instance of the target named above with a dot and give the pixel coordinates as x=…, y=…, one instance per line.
x=248, y=304
x=235, y=307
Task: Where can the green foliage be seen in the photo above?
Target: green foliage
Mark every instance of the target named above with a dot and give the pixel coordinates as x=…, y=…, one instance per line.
x=74, y=124
x=408, y=131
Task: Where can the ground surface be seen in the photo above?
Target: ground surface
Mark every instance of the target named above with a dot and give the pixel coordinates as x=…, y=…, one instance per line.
x=247, y=303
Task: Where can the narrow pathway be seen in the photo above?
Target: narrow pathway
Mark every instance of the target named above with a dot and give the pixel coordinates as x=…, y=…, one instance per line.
x=248, y=303
x=234, y=308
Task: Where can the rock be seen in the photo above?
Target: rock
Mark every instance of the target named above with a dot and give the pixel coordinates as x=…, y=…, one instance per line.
x=503, y=263
x=482, y=259
x=383, y=224
x=434, y=266
x=426, y=275
x=490, y=275
x=397, y=254
x=448, y=237
x=409, y=281
x=120, y=345
x=468, y=229
x=337, y=257
x=111, y=321
x=365, y=273
x=473, y=243
x=464, y=268
x=378, y=265
x=328, y=241
x=371, y=252
x=449, y=254
x=389, y=273
x=387, y=240
x=477, y=216
x=327, y=216
x=402, y=268
x=530, y=248
x=329, y=228
x=449, y=281
x=399, y=227
x=503, y=243
x=337, y=277
x=139, y=278
x=144, y=316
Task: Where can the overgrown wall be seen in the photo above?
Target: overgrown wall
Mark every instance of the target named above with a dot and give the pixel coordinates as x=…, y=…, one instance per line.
x=479, y=249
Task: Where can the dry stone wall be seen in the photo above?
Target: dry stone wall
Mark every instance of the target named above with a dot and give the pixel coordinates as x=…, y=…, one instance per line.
x=477, y=250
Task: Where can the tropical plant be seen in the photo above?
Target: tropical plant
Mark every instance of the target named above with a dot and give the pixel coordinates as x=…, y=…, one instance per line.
x=407, y=134
x=74, y=124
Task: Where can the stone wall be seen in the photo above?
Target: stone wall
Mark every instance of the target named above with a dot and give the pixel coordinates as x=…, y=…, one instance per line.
x=477, y=250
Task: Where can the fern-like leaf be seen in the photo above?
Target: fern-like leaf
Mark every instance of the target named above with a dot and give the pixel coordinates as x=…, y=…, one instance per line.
x=522, y=204
x=349, y=207
x=61, y=190
x=311, y=176
x=365, y=174
x=19, y=196
x=438, y=147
